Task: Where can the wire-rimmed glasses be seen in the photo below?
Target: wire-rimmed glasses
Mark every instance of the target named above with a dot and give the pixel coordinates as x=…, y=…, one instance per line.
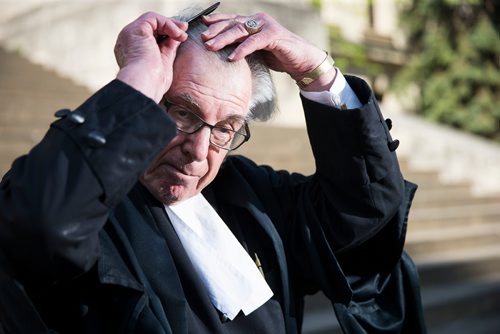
x=228, y=134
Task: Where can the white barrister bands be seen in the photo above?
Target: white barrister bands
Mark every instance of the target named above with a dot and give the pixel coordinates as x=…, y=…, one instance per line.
x=230, y=276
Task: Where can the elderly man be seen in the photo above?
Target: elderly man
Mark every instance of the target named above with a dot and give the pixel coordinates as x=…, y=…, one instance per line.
x=129, y=216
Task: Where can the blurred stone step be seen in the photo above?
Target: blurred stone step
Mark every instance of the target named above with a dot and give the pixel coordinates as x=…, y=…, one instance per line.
x=424, y=179
x=26, y=120
x=452, y=303
x=474, y=212
x=477, y=325
x=442, y=193
x=438, y=185
x=458, y=266
x=424, y=243
x=22, y=134
x=437, y=224
x=19, y=72
x=44, y=83
x=282, y=148
x=35, y=107
x=47, y=92
x=10, y=147
x=31, y=112
x=446, y=196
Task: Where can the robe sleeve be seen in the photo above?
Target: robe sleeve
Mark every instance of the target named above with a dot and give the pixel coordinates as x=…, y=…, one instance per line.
x=56, y=199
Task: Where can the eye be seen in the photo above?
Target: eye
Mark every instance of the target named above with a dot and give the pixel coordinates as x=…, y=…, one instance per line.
x=185, y=119
x=223, y=130
x=178, y=112
x=222, y=136
x=230, y=125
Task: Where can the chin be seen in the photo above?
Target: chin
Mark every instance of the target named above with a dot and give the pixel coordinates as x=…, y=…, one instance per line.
x=173, y=194
x=167, y=199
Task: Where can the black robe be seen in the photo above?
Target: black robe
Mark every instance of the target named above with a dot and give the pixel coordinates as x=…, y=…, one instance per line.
x=94, y=253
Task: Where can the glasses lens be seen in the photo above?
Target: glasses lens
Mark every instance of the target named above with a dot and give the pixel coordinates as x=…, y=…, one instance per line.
x=228, y=134
x=185, y=120
x=222, y=137
x=237, y=141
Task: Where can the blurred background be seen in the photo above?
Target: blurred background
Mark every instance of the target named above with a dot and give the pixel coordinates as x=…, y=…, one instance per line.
x=434, y=66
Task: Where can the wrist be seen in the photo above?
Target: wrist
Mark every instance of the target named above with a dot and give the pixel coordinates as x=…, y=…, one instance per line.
x=149, y=85
x=322, y=76
x=323, y=83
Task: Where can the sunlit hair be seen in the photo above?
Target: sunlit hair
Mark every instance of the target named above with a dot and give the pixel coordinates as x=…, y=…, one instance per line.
x=262, y=102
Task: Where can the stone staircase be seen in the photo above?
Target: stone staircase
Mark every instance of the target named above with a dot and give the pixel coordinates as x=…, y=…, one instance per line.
x=453, y=237
x=29, y=96
x=455, y=240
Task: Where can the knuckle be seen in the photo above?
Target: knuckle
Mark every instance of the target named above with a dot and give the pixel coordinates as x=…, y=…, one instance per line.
x=144, y=17
x=143, y=30
x=241, y=29
x=149, y=14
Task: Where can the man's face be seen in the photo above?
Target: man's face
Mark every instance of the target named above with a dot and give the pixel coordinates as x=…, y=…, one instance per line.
x=189, y=163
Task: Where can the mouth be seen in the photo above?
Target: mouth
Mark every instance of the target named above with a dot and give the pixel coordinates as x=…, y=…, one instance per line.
x=180, y=170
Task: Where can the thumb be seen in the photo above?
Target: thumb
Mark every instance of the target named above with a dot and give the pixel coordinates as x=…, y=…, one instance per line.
x=168, y=48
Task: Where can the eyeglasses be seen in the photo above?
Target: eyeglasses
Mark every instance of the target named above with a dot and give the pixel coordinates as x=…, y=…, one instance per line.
x=228, y=134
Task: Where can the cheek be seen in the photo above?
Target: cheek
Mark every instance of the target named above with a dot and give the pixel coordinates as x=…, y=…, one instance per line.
x=163, y=153
x=154, y=172
x=215, y=159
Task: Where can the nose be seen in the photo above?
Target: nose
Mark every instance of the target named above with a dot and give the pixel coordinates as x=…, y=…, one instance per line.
x=197, y=144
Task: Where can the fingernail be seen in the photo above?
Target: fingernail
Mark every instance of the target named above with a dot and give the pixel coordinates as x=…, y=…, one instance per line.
x=209, y=43
x=230, y=57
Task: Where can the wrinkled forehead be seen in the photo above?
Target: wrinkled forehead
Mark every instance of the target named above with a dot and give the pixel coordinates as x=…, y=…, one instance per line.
x=208, y=63
x=194, y=47
x=212, y=83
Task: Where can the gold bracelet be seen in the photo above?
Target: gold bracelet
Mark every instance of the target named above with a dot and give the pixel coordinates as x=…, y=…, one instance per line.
x=325, y=66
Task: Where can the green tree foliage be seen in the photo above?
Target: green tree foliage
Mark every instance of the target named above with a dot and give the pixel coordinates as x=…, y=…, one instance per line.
x=317, y=4
x=456, y=62
x=350, y=56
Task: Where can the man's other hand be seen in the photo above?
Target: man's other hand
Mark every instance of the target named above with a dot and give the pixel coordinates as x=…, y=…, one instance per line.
x=146, y=64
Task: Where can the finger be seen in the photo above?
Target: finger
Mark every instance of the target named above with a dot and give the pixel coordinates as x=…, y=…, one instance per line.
x=181, y=24
x=217, y=28
x=169, y=49
x=217, y=17
x=236, y=33
x=249, y=46
x=175, y=29
x=155, y=25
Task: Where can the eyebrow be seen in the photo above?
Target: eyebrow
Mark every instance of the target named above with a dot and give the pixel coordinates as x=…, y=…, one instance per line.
x=190, y=100
x=194, y=105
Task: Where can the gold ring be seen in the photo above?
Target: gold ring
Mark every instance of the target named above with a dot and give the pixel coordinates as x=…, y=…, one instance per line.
x=252, y=27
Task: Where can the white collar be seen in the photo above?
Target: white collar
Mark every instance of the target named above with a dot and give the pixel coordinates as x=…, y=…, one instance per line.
x=230, y=276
